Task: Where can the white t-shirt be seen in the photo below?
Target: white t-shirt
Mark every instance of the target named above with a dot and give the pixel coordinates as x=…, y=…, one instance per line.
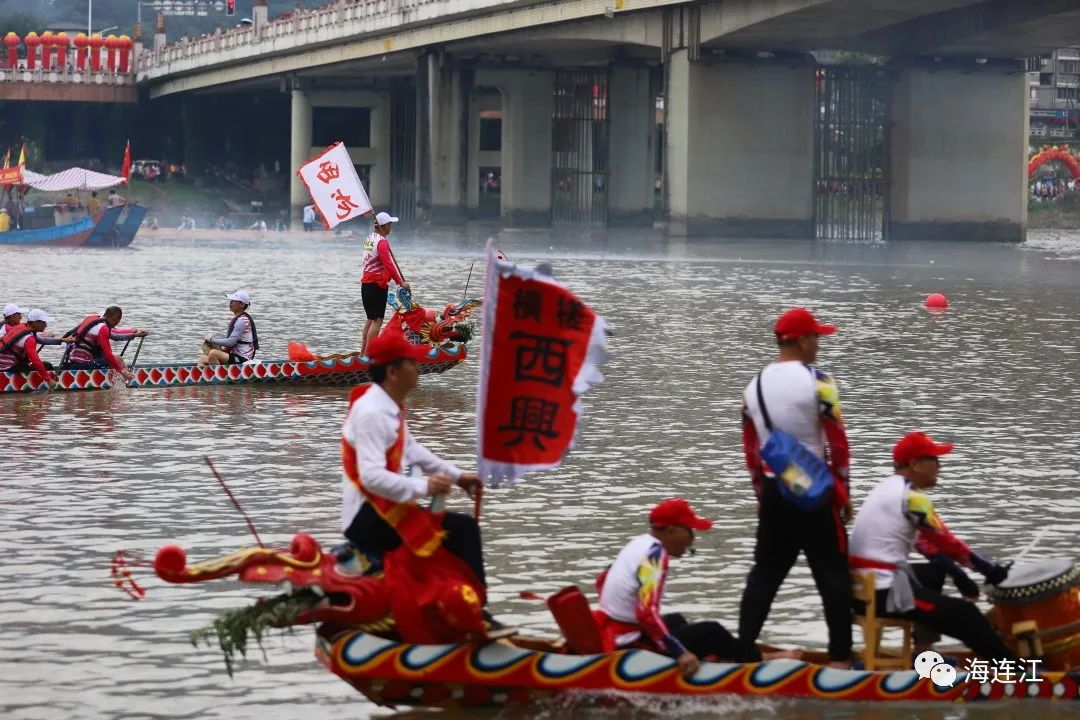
x=619, y=599
x=793, y=395
x=309, y=213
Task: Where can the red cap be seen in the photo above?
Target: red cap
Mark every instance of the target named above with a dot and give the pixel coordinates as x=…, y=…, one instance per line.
x=676, y=511
x=386, y=349
x=797, y=322
x=916, y=445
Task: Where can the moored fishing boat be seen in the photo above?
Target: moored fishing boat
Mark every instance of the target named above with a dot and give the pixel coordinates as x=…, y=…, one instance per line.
x=75, y=227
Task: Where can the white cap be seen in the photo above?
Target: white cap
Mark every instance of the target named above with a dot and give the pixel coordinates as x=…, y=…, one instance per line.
x=385, y=219
x=13, y=309
x=37, y=315
x=240, y=296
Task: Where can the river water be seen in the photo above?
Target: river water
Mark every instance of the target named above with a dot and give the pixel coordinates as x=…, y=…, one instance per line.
x=90, y=473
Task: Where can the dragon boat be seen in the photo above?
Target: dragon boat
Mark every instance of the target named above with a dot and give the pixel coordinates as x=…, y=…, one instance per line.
x=445, y=333
x=358, y=638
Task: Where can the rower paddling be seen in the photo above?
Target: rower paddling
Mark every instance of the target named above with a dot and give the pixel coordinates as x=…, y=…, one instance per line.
x=91, y=348
x=19, y=346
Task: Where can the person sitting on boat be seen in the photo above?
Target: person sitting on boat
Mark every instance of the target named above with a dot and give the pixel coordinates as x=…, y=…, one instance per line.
x=897, y=517
x=380, y=268
x=379, y=508
x=115, y=199
x=5, y=220
x=91, y=348
x=241, y=338
x=18, y=347
x=13, y=315
x=632, y=589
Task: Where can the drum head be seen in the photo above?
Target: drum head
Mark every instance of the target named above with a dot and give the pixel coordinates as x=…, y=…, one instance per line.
x=1033, y=580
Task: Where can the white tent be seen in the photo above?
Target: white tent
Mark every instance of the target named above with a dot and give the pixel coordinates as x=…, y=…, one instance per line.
x=72, y=179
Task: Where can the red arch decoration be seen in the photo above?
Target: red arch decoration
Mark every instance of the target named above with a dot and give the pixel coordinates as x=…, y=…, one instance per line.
x=1050, y=154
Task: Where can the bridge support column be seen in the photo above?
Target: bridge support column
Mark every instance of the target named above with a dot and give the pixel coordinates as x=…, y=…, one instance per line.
x=447, y=137
x=632, y=118
x=299, y=152
x=740, y=139
x=958, y=153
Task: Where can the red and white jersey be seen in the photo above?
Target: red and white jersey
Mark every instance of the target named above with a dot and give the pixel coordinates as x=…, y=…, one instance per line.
x=379, y=264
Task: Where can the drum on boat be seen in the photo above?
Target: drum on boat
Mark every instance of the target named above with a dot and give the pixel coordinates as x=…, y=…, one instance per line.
x=1048, y=593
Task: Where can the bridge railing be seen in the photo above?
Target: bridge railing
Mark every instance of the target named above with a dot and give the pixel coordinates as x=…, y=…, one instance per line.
x=68, y=74
x=304, y=26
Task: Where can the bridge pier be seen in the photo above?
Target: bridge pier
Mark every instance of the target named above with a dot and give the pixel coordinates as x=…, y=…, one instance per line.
x=526, y=143
x=632, y=153
x=448, y=127
x=740, y=139
x=959, y=152
x=299, y=152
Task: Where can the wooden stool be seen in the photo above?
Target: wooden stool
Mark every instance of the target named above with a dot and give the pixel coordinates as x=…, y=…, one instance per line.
x=862, y=588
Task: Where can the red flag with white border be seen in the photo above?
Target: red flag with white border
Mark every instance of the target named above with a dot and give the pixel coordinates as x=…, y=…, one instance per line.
x=540, y=350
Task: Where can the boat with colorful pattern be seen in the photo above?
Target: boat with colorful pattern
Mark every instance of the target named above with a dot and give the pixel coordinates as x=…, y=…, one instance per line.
x=342, y=369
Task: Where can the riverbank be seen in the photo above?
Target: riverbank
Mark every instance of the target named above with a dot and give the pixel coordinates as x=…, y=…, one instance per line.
x=1062, y=214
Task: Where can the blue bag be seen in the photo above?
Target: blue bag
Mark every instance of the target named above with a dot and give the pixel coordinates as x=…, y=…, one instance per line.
x=802, y=477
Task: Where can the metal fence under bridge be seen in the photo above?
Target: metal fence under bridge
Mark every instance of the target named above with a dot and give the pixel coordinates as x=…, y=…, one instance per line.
x=579, y=145
x=851, y=199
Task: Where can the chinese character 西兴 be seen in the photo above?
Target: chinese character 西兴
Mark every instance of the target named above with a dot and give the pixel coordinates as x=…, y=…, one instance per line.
x=531, y=416
x=571, y=313
x=1004, y=671
x=1033, y=676
x=527, y=304
x=328, y=171
x=345, y=204
x=544, y=360
x=978, y=670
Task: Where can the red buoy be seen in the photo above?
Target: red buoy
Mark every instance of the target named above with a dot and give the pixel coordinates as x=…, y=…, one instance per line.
x=937, y=301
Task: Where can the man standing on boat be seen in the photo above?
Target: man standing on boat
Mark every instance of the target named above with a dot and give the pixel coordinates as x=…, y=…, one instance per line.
x=632, y=589
x=91, y=348
x=19, y=347
x=379, y=508
x=380, y=268
x=897, y=517
x=794, y=396
x=241, y=339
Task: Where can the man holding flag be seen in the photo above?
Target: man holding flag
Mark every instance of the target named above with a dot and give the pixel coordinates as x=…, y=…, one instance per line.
x=379, y=510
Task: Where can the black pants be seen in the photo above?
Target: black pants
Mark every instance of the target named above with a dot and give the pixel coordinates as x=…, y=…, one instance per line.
x=369, y=532
x=374, y=298
x=936, y=613
x=783, y=531
x=709, y=637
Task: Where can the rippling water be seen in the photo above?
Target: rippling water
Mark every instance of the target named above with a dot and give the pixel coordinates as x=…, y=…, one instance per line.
x=89, y=473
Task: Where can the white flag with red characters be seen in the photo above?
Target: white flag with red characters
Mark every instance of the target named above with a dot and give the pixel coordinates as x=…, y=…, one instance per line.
x=334, y=186
x=540, y=351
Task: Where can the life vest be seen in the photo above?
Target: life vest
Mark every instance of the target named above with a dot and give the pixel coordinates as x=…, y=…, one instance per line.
x=82, y=340
x=9, y=343
x=420, y=530
x=254, y=333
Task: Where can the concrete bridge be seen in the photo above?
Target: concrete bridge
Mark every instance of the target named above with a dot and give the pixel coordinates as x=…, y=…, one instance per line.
x=582, y=110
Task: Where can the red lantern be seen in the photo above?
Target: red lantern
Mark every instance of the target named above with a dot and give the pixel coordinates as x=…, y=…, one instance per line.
x=62, y=42
x=81, y=43
x=32, y=41
x=125, y=51
x=46, y=49
x=110, y=50
x=11, y=40
x=96, y=41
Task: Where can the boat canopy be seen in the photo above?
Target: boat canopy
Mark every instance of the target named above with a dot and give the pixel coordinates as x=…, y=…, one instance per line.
x=71, y=179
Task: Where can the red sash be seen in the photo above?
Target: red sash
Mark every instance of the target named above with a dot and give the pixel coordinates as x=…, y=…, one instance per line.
x=420, y=531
